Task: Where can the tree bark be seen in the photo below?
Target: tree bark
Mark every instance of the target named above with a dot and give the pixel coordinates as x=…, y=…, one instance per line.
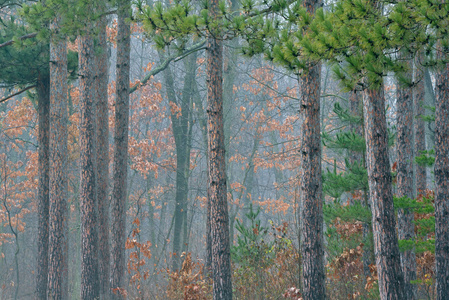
x=90, y=288
x=405, y=187
x=420, y=139
x=441, y=182
x=43, y=92
x=386, y=248
x=58, y=168
x=311, y=197
x=119, y=192
x=219, y=220
x=101, y=89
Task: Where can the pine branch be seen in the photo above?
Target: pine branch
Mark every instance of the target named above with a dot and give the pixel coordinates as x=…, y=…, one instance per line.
x=18, y=93
x=24, y=37
x=165, y=63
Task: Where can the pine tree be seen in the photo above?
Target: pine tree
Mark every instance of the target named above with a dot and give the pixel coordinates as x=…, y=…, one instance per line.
x=221, y=256
x=28, y=66
x=58, y=259
x=88, y=165
x=101, y=89
x=119, y=192
x=405, y=175
x=441, y=181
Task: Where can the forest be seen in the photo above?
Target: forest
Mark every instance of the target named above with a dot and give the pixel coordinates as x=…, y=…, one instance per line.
x=240, y=149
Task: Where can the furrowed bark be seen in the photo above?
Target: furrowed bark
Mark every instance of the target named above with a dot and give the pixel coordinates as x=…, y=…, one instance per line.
x=119, y=192
x=43, y=92
x=405, y=187
x=219, y=220
x=386, y=248
x=311, y=197
x=58, y=168
x=90, y=288
x=101, y=89
x=441, y=183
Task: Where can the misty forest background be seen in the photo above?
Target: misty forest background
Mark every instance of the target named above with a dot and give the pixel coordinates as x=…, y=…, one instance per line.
x=218, y=150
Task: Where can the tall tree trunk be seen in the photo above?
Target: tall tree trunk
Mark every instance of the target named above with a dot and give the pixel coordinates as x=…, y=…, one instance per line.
x=58, y=168
x=405, y=187
x=43, y=92
x=119, y=192
x=101, y=89
x=311, y=197
x=420, y=138
x=391, y=281
x=219, y=220
x=88, y=165
x=181, y=129
x=441, y=182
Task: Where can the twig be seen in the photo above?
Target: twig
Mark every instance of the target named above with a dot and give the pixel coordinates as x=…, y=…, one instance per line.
x=24, y=37
x=18, y=93
x=165, y=64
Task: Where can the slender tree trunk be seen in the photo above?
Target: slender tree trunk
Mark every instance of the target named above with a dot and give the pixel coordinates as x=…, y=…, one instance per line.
x=219, y=220
x=420, y=138
x=391, y=281
x=58, y=168
x=311, y=197
x=43, y=92
x=101, y=88
x=90, y=288
x=405, y=187
x=181, y=128
x=119, y=192
x=441, y=183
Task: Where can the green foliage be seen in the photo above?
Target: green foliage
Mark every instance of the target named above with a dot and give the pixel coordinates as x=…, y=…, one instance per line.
x=73, y=16
x=426, y=158
x=265, y=259
x=424, y=223
x=346, y=213
x=22, y=63
x=354, y=178
x=252, y=248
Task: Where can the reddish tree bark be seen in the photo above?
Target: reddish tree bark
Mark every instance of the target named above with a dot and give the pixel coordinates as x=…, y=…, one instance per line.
x=405, y=158
x=88, y=165
x=441, y=182
x=101, y=89
x=43, y=92
x=311, y=190
x=57, y=263
x=391, y=281
x=120, y=170
x=311, y=197
x=219, y=220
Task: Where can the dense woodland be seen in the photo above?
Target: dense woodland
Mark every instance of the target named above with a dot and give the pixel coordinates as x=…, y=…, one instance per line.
x=274, y=149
